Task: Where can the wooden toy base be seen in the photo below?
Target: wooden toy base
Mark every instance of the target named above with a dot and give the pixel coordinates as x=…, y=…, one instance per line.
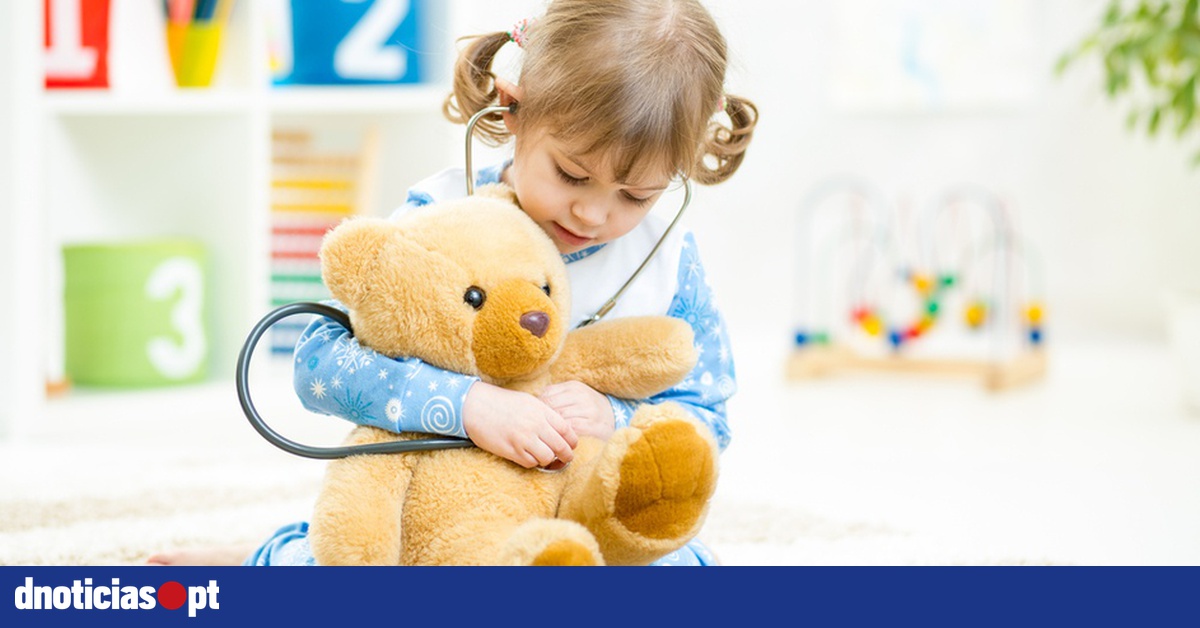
x=820, y=361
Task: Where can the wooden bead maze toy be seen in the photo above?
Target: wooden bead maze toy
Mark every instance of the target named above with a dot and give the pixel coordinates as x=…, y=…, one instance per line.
x=952, y=290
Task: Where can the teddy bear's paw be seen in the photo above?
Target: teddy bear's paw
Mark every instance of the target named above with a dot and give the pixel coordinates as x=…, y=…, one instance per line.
x=551, y=543
x=667, y=475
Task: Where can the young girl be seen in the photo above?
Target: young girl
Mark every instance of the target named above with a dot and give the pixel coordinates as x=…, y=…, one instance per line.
x=616, y=101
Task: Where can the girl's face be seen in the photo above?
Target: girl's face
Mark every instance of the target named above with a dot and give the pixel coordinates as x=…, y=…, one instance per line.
x=573, y=198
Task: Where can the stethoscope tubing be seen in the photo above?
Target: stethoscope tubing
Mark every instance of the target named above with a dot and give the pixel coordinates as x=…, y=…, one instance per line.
x=309, y=451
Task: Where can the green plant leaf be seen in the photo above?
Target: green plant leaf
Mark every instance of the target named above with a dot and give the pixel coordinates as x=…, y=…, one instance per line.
x=1113, y=14
x=1187, y=107
x=1154, y=40
x=1150, y=68
x=1063, y=62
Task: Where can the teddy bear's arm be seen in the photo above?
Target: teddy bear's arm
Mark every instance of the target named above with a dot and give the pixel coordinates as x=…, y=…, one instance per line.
x=356, y=520
x=634, y=357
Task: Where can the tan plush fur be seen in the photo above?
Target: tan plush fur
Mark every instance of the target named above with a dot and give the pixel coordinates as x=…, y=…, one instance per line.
x=627, y=501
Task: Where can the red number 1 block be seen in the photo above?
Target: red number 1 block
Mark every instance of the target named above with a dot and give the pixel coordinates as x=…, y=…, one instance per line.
x=76, y=43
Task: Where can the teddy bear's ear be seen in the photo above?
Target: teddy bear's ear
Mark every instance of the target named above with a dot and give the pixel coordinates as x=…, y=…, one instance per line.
x=497, y=190
x=350, y=254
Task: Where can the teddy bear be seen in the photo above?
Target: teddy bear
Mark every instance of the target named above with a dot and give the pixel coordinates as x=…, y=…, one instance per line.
x=474, y=286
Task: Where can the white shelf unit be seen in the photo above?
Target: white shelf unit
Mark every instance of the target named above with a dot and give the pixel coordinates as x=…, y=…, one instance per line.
x=145, y=158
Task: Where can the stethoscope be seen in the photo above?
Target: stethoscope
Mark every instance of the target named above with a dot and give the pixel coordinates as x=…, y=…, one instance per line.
x=242, y=377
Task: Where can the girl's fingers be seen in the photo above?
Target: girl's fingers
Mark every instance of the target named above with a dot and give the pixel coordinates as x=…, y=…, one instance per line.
x=559, y=446
x=525, y=459
x=558, y=390
x=583, y=428
x=563, y=428
x=542, y=453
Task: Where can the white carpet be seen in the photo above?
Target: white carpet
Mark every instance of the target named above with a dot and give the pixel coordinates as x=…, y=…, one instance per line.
x=124, y=504
x=195, y=474
x=848, y=471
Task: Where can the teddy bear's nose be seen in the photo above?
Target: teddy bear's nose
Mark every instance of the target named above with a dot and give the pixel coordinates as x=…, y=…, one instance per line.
x=535, y=322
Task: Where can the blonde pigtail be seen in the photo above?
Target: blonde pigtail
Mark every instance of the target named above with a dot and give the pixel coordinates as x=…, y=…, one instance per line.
x=475, y=86
x=724, y=148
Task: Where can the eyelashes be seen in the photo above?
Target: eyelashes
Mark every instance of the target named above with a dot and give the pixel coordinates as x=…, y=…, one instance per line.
x=640, y=202
x=578, y=181
x=567, y=178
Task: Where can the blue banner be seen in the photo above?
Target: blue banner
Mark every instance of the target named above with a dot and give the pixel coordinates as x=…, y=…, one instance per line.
x=738, y=596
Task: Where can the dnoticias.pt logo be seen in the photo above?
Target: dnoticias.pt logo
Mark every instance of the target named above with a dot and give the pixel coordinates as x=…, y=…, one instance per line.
x=84, y=595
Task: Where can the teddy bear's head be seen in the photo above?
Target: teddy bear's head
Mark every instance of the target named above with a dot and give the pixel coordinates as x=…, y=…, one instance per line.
x=472, y=286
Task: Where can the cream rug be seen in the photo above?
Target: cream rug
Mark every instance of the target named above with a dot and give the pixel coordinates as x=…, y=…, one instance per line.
x=115, y=504
x=111, y=478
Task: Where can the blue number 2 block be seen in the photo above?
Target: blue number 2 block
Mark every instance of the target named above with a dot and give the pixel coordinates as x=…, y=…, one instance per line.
x=355, y=42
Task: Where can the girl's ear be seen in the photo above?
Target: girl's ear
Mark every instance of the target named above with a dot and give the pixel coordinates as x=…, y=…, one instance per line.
x=509, y=93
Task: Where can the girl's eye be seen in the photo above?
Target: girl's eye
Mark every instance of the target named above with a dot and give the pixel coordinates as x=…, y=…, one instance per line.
x=567, y=178
x=640, y=202
x=474, y=297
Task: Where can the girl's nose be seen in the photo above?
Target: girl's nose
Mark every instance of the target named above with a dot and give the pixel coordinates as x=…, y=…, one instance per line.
x=589, y=213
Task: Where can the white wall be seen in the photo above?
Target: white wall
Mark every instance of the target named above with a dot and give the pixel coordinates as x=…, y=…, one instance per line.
x=1113, y=214
x=21, y=382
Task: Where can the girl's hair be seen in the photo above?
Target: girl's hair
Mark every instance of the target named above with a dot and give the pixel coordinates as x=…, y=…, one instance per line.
x=637, y=82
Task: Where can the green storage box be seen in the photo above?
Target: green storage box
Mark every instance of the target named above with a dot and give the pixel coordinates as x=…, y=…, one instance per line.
x=135, y=313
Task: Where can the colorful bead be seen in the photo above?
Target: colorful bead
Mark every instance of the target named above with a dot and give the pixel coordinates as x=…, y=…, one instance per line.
x=923, y=283
x=976, y=314
x=1033, y=313
x=872, y=325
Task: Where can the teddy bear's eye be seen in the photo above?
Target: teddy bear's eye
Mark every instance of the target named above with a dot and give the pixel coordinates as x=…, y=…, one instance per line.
x=475, y=296
x=546, y=289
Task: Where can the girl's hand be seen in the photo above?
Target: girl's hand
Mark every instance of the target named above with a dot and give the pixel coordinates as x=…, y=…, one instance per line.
x=517, y=426
x=587, y=411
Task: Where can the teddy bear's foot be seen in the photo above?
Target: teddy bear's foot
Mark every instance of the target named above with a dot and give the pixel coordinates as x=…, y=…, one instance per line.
x=550, y=543
x=649, y=490
x=667, y=475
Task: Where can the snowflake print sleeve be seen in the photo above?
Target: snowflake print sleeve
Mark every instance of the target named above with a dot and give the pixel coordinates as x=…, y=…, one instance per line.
x=335, y=375
x=712, y=382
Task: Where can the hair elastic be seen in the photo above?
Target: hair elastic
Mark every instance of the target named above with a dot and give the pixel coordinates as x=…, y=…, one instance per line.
x=518, y=33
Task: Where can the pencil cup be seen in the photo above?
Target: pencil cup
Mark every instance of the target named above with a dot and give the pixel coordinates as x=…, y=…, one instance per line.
x=176, y=36
x=194, y=50
x=135, y=313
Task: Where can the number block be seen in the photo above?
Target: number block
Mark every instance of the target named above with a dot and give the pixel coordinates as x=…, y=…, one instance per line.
x=135, y=313
x=350, y=42
x=76, y=39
